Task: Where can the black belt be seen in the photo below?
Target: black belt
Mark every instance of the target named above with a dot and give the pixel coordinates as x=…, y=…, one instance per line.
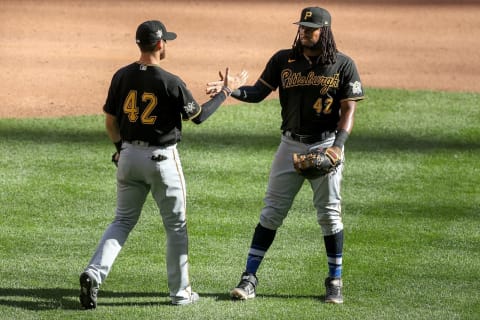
x=142, y=143
x=309, y=138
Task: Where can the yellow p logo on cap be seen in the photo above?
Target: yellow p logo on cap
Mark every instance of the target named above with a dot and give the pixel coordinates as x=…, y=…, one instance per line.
x=308, y=14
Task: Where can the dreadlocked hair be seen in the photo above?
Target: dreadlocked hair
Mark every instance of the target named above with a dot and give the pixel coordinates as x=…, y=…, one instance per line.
x=326, y=43
x=296, y=47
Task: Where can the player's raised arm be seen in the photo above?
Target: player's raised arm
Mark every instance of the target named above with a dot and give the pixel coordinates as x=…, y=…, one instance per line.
x=222, y=89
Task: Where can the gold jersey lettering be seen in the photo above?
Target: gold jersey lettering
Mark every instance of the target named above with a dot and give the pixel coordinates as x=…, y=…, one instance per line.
x=295, y=79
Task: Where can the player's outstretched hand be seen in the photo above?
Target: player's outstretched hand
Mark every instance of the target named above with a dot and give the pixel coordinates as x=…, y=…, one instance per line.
x=236, y=81
x=227, y=81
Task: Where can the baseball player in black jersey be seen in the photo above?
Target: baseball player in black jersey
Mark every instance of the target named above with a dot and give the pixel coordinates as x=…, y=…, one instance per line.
x=144, y=110
x=318, y=89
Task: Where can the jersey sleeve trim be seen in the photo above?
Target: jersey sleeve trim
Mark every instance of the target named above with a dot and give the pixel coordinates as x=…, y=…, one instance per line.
x=267, y=84
x=353, y=99
x=193, y=116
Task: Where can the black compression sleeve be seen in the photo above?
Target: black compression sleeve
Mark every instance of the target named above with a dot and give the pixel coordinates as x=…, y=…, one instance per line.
x=209, y=107
x=255, y=93
x=118, y=145
x=341, y=138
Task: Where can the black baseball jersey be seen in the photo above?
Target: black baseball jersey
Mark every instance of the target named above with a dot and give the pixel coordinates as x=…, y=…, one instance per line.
x=150, y=104
x=310, y=93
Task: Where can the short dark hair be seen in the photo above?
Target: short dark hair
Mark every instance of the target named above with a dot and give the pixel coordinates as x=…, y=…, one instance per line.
x=147, y=47
x=326, y=43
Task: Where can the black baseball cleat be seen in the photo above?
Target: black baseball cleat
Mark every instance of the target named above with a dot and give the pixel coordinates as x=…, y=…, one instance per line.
x=334, y=290
x=246, y=288
x=88, y=291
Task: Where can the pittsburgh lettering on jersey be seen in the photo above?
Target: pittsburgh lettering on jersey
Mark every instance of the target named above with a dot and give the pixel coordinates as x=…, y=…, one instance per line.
x=295, y=79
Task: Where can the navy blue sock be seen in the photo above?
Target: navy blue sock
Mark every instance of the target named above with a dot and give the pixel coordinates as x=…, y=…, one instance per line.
x=262, y=239
x=334, y=248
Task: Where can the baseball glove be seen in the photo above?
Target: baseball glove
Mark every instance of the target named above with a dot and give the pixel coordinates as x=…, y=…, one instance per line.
x=317, y=163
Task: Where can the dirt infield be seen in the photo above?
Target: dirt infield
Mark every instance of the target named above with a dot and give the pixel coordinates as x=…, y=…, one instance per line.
x=57, y=57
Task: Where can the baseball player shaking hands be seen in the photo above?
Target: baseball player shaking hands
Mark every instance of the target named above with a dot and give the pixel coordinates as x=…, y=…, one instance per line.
x=144, y=110
x=318, y=90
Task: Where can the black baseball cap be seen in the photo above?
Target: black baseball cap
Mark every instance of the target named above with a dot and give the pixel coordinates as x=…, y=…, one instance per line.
x=151, y=31
x=315, y=17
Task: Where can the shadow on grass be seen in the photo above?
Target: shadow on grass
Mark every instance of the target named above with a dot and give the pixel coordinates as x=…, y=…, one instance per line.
x=67, y=299
x=52, y=135
x=391, y=141
x=200, y=139
x=361, y=141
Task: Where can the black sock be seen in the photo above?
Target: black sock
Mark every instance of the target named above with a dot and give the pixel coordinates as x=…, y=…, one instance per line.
x=262, y=239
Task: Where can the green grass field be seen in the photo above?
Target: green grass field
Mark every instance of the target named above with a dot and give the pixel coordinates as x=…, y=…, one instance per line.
x=411, y=212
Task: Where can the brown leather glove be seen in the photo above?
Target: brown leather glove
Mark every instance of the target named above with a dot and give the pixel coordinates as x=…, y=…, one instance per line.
x=318, y=163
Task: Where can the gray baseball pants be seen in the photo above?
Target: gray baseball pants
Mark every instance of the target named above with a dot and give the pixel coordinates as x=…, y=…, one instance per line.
x=138, y=175
x=284, y=184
